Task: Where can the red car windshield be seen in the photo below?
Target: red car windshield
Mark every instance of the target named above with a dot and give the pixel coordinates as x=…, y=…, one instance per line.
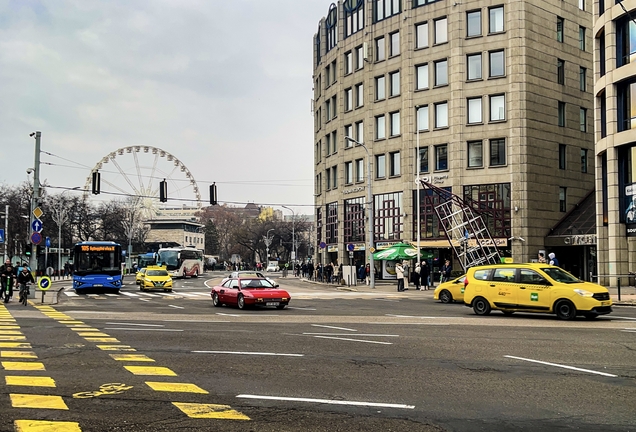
x=255, y=283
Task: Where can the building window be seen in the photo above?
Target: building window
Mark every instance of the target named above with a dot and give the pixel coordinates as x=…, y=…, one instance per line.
x=379, y=49
x=331, y=226
x=582, y=4
x=334, y=142
x=562, y=156
x=334, y=177
x=388, y=219
x=328, y=144
x=318, y=225
x=380, y=127
x=441, y=72
x=497, y=108
x=394, y=48
x=422, y=118
x=348, y=169
x=354, y=220
x=395, y=123
x=385, y=8
x=318, y=86
x=441, y=157
x=318, y=156
x=441, y=115
x=359, y=57
x=582, y=79
x=421, y=79
x=360, y=132
x=334, y=107
x=626, y=112
x=561, y=114
x=601, y=55
x=354, y=17
x=474, y=66
x=441, y=31
x=473, y=20
x=583, y=119
x=559, y=29
x=625, y=43
x=497, y=152
x=359, y=170
x=394, y=78
x=394, y=165
x=331, y=23
x=421, y=35
x=348, y=129
x=562, y=197
x=380, y=166
x=583, y=160
x=496, y=19
x=560, y=72
x=380, y=88
x=474, y=110
x=348, y=62
x=497, y=65
x=582, y=38
x=328, y=109
x=359, y=95
x=603, y=105
x=496, y=198
x=348, y=99
x=475, y=154
x=424, y=159
x=328, y=179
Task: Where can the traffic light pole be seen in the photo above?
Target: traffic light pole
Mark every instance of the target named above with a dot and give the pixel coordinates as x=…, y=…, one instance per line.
x=33, y=259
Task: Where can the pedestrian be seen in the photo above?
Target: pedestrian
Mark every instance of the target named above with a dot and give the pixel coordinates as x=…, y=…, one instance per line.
x=446, y=271
x=553, y=259
x=399, y=272
x=7, y=279
x=367, y=273
x=415, y=276
x=541, y=258
x=310, y=270
x=425, y=273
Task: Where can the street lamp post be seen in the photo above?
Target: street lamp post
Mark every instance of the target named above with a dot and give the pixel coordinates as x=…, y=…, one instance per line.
x=35, y=198
x=268, y=241
x=293, y=233
x=370, y=239
x=418, y=166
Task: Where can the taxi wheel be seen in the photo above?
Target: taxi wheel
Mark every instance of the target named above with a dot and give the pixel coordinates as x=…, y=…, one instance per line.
x=445, y=297
x=565, y=310
x=215, y=300
x=240, y=302
x=481, y=306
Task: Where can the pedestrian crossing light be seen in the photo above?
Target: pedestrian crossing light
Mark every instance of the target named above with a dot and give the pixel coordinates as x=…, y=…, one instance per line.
x=213, y=194
x=96, y=182
x=163, y=191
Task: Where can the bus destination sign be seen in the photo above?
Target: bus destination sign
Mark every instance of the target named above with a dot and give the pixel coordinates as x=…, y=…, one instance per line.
x=100, y=248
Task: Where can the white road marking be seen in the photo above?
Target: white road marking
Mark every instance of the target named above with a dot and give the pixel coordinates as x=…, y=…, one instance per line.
x=167, y=294
x=629, y=331
x=328, y=401
x=353, y=340
x=187, y=294
x=176, y=307
x=249, y=353
x=421, y=317
x=301, y=308
x=148, y=294
x=335, y=328
x=130, y=294
x=347, y=334
x=144, y=299
x=224, y=314
x=133, y=324
x=92, y=295
x=387, y=300
x=198, y=321
x=207, y=294
x=112, y=295
x=562, y=366
x=620, y=317
x=142, y=329
x=71, y=294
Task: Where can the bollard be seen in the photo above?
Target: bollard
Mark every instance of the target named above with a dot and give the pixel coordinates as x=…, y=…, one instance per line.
x=619, y=288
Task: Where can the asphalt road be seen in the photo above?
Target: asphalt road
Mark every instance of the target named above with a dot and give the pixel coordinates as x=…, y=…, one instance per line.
x=333, y=361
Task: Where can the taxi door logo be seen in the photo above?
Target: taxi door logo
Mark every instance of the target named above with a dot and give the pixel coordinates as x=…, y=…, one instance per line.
x=534, y=296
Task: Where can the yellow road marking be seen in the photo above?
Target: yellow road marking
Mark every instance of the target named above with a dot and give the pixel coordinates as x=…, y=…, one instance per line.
x=210, y=411
x=22, y=366
x=24, y=345
x=84, y=328
x=131, y=357
x=116, y=348
x=9, y=327
x=95, y=333
x=101, y=339
x=18, y=354
x=12, y=338
x=45, y=426
x=175, y=387
x=30, y=381
x=73, y=322
x=37, y=401
x=10, y=332
x=147, y=370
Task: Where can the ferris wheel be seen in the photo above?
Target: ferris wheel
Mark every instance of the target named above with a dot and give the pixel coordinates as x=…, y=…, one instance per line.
x=136, y=172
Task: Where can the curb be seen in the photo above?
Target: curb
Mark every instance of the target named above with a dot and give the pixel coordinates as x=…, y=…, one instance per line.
x=346, y=289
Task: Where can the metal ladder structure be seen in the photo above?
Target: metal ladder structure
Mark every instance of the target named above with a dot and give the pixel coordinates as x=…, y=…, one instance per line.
x=465, y=229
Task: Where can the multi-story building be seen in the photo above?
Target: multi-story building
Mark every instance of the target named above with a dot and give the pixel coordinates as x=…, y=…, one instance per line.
x=498, y=95
x=615, y=113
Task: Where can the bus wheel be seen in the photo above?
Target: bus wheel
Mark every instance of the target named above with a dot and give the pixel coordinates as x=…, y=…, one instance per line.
x=196, y=274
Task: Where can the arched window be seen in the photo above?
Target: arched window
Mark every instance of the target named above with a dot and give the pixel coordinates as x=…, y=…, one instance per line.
x=354, y=16
x=332, y=27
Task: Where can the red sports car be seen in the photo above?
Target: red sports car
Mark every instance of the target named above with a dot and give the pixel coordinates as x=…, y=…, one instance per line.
x=250, y=291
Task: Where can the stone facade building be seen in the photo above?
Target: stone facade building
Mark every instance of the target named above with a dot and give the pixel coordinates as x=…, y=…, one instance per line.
x=497, y=93
x=184, y=233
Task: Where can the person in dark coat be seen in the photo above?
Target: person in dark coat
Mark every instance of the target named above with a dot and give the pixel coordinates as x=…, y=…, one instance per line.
x=415, y=276
x=425, y=273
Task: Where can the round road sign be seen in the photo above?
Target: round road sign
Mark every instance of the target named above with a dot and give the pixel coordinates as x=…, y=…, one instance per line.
x=44, y=283
x=36, y=238
x=322, y=245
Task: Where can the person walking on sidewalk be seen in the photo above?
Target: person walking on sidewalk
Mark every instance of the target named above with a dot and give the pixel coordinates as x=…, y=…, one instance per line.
x=425, y=273
x=399, y=272
x=415, y=276
x=446, y=271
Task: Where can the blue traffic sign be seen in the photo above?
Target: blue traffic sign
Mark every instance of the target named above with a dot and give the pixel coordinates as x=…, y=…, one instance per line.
x=44, y=283
x=47, y=242
x=36, y=238
x=350, y=247
x=36, y=225
x=1, y=236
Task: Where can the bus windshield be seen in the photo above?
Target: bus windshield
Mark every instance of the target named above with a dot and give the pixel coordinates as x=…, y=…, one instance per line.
x=146, y=260
x=170, y=258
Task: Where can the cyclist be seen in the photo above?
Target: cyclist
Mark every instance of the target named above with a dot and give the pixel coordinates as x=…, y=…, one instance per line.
x=7, y=279
x=24, y=277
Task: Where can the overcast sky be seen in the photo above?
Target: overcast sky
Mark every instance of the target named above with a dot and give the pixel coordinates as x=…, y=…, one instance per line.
x=223, y=85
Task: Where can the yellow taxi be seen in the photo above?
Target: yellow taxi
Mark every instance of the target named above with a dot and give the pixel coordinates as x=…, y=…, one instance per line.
x=140, y=276
x=451, y=291
x=156, y=278
x=533, y=287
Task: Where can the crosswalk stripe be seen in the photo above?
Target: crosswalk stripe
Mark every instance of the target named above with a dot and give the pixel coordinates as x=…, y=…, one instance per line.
x=71, y=293
x=148, y=294
x=129, y=294
x=187, y=294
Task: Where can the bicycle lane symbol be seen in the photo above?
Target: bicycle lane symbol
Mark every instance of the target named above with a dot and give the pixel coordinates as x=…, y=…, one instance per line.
x=104, y=389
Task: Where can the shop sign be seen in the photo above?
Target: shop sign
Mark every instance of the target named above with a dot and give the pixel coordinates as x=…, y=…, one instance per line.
x=384, y=245
x=435, y=179
x=358, y=247
x=332, y=248
x=353, y=190
x=580, y=240
x=499, y=242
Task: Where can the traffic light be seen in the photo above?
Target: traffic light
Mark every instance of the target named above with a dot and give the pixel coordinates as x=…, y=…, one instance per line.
x=213, y=194
x=96, y=182
x=163, y=191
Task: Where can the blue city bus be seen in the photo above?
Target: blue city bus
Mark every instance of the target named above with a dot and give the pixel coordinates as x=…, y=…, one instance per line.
x=97, y=265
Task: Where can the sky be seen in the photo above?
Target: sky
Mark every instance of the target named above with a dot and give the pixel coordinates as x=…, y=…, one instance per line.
x=224, y=86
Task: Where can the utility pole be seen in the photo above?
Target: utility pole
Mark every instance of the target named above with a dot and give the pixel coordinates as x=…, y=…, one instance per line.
x=6, y=232
x=33, y=261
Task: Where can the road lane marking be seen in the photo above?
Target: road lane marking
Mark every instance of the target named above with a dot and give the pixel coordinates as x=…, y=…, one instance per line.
x=387, y=300
x=37, y=401
x=147, y=370
x=210, y=411
x=354, y=340
x=30, y=381
x=176, y=307
x=196, y=321
x=149, y=294
x=301, y=308
x=142, y=329
x=249, y=353
x=12, y=338
x=93, y=334
x=187, y=294
x=621, y=317
x=347, y=334
x=129, y=294
x=116, y=348
x=45, y=426
x=11, y=332
x=232, y=315
x=131, y=357
x=176, y=387
x=133, y=324
x=102, y=339
x=562, y=366
x=629, y=331
x=335, y=328
x=23, y=345
x=328, y=401
x=18, y=354
x=23, y=366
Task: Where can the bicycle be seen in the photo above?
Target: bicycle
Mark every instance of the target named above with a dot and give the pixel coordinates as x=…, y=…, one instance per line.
x=24, y=293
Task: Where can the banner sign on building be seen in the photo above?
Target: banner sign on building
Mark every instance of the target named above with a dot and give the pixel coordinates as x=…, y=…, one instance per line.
x=630, y=209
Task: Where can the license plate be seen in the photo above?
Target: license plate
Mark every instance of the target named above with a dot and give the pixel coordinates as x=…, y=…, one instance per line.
x=605, y=303
x=271, y=304
x=98, y=285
